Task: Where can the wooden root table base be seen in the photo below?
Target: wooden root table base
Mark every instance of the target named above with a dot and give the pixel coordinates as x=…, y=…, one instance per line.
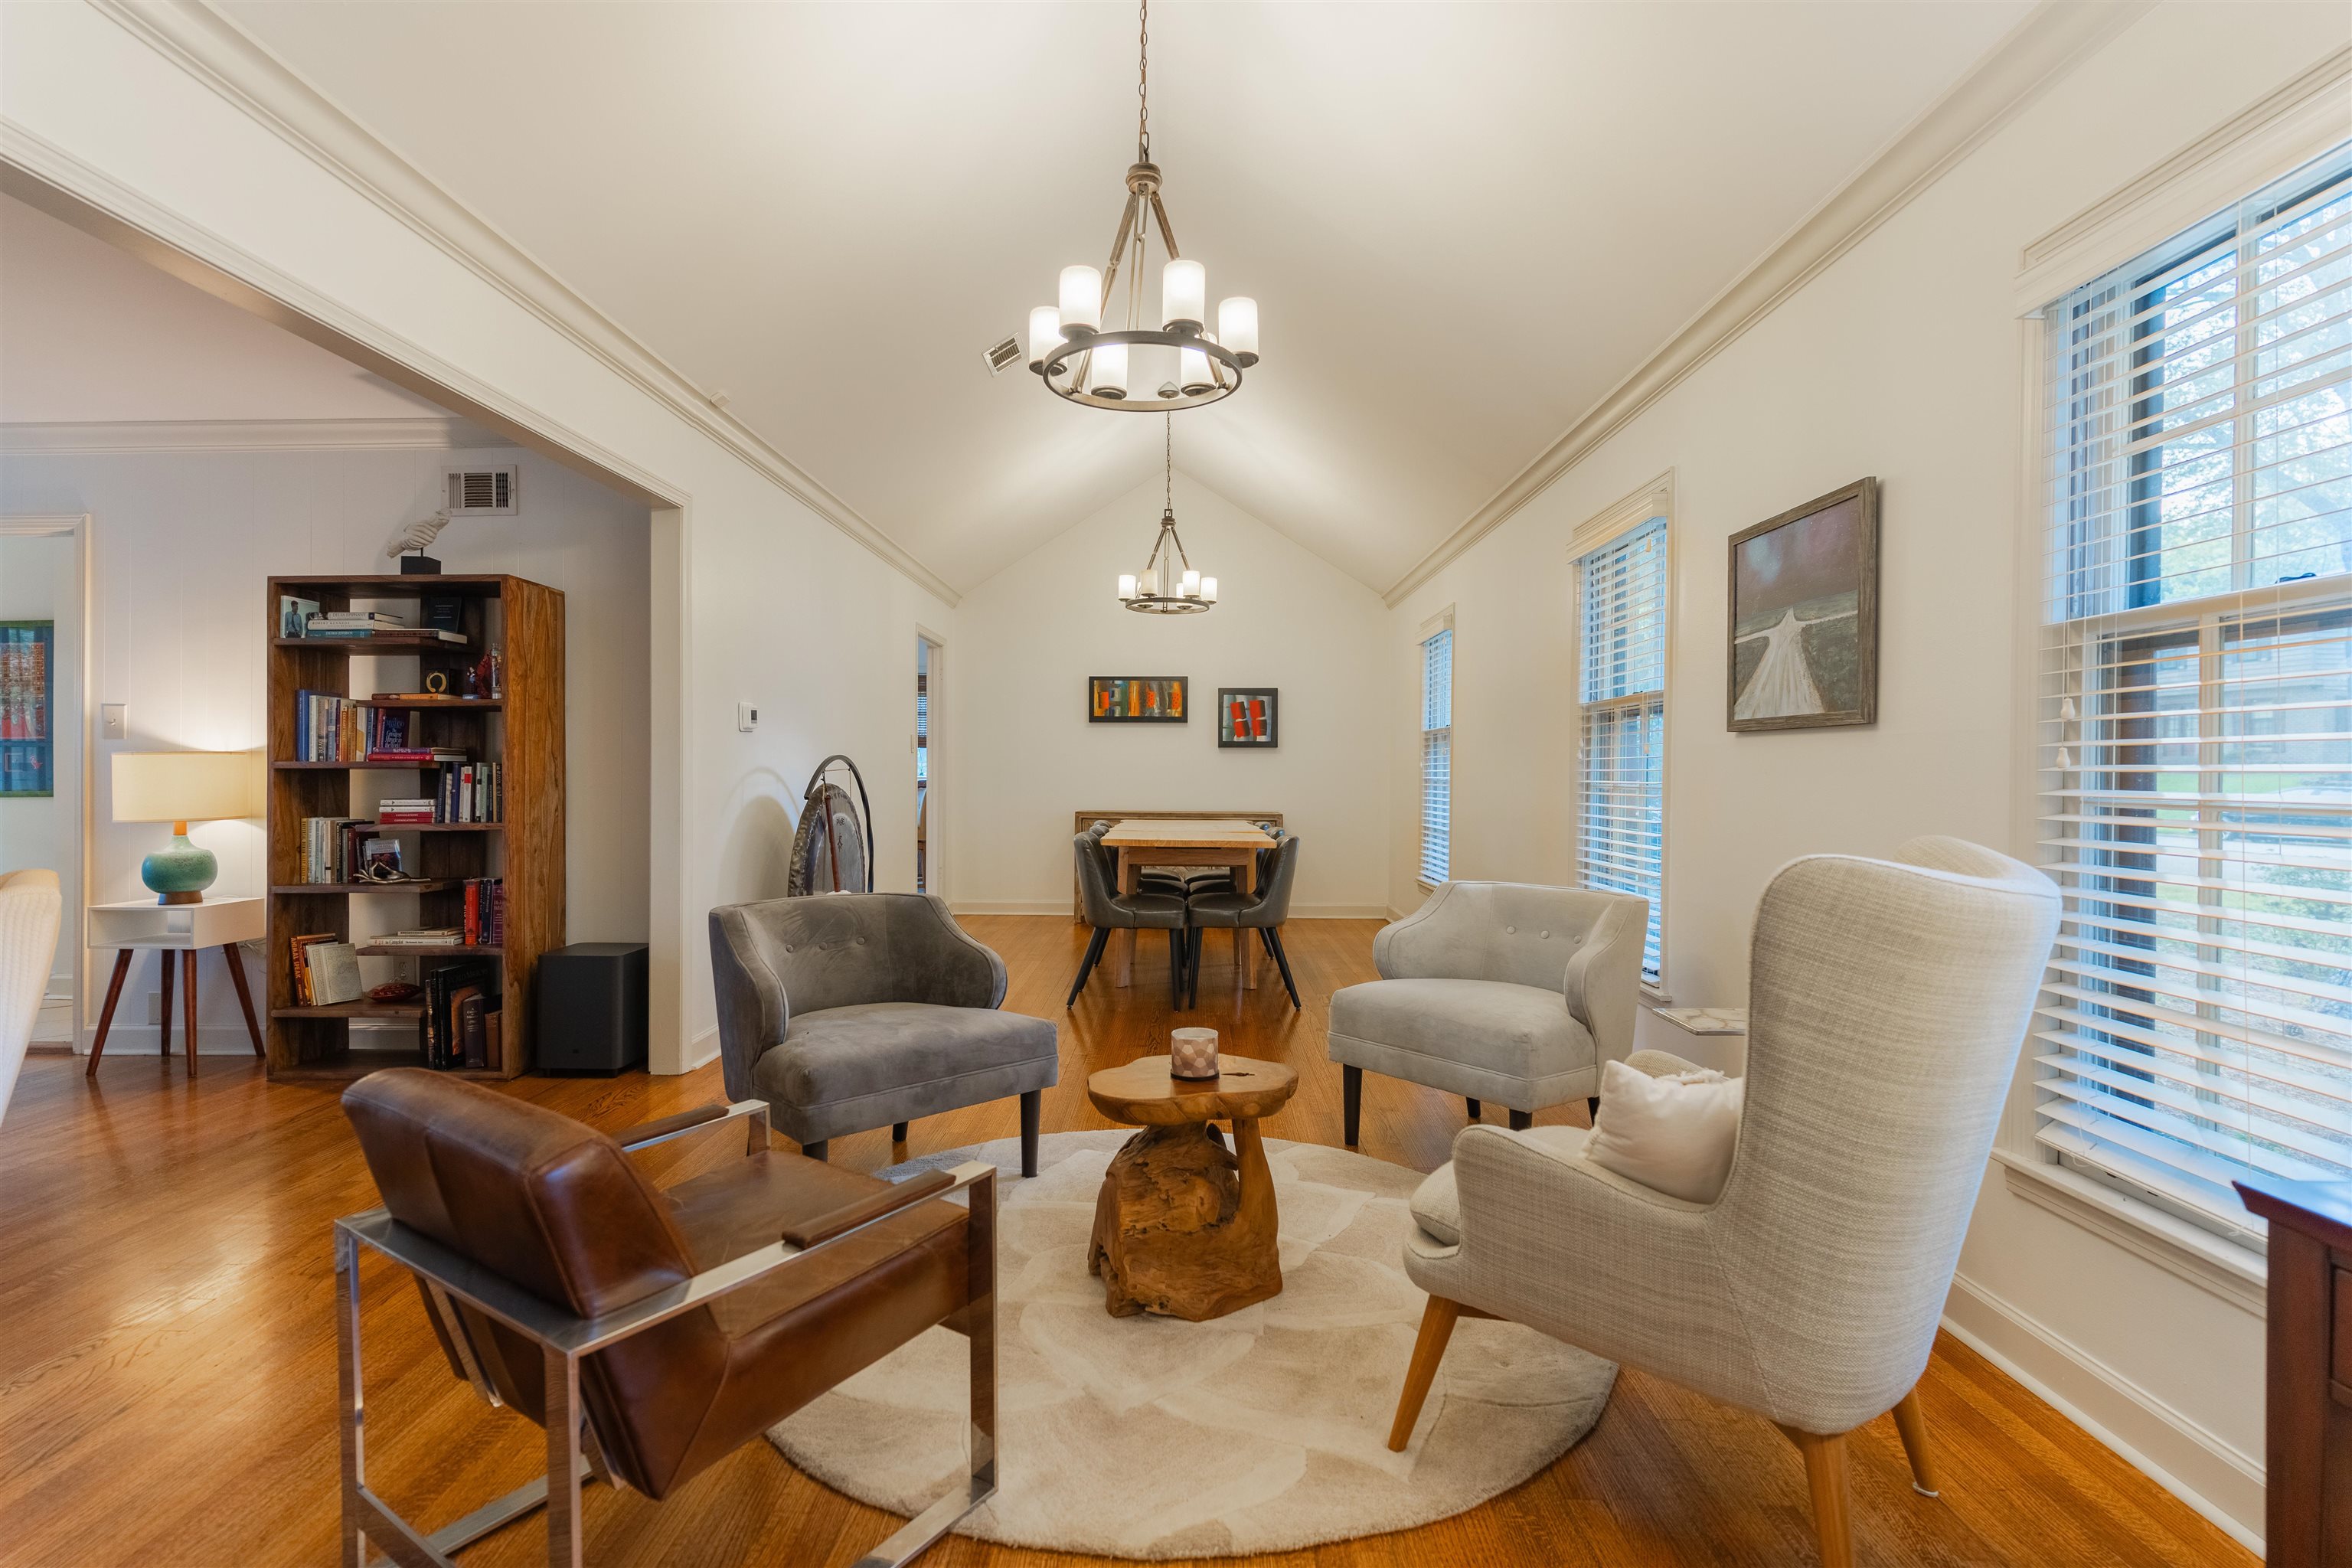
x=1184, y=1227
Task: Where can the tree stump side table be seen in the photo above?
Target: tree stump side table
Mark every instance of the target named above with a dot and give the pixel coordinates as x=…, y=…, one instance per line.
x=1185, y=1228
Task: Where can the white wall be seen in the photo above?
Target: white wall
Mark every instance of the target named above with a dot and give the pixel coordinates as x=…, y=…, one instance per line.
x=1902, y=360
x=40, y=581
x=1023, y=756
x=181, y=544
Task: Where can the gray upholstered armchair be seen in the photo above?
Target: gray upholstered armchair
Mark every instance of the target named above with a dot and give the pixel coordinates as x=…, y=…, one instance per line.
x=1500, y=991
x=846, y=1011
x=1886, y=1001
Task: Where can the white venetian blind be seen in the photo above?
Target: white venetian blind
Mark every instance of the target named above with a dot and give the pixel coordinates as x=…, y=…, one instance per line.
x=2196, y=707
x=1622, y=747
x=1437, y=755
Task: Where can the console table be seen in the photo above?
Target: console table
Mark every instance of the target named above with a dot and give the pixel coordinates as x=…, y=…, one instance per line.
x=186, y=930
x=2308, y=1411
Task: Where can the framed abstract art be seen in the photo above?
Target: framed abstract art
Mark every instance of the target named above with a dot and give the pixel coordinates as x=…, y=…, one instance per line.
x=1247, y=717
x=28, y=703
x=1137, y=699
x=1804, y=616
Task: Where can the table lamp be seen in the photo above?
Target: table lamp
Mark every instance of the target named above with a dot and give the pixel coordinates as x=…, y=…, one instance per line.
x=181, y=787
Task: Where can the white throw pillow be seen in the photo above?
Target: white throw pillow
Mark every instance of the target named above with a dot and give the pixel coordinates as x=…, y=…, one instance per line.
x=1673, y=1135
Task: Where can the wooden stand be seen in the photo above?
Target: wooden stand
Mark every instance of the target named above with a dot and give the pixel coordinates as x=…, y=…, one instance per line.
x=521, y=729
x=1182, y=1228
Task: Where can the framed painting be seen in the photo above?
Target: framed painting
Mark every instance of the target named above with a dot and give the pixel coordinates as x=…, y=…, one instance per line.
x=27, y=701
x=1137, y=699
x=1248, y=717
x=1804, y=616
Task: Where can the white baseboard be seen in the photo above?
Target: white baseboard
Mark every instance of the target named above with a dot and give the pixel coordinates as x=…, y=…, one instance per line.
x=2212, y=1475
x=1061, y=907
x=702, y=1050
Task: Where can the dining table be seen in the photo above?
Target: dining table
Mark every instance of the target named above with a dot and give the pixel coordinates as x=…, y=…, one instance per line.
x=1140, y=841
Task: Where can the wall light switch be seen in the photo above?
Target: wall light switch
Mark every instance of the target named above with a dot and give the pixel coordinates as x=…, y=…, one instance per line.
x=114, y=721
x=747, y=716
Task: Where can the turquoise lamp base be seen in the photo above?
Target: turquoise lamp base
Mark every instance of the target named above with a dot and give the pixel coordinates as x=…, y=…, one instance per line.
x=180, y=874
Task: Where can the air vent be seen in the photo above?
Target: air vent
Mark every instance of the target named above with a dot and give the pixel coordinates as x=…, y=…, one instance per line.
x=481, y=493
x=1003, y=356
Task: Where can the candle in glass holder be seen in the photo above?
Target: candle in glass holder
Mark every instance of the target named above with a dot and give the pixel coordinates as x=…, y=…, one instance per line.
x=1193, y=1053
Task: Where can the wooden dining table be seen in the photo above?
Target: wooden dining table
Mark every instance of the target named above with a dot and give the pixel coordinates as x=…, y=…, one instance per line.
x=1142, y=841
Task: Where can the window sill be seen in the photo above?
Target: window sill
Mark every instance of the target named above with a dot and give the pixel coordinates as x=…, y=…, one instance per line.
x=2236, y=1275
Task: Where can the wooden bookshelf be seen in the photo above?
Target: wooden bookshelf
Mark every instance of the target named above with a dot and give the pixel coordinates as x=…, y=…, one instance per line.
x=521, y=729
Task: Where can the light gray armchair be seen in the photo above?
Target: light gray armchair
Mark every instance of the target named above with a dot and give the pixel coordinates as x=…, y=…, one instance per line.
x=846, y=1011
x=1886, y=1001
x=1501, y=991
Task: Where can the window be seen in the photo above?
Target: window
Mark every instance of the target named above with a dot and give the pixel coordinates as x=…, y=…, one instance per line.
x=1437, y=753
x=1621, y=743
x=2196, y=708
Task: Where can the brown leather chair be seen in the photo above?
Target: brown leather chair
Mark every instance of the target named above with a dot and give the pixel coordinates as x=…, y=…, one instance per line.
x=650, y=1332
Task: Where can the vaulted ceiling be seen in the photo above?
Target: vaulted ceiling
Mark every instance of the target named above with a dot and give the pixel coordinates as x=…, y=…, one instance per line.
x=1463, y=223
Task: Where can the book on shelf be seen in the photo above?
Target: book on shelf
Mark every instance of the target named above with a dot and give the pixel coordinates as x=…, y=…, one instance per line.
x=423, y=936
x=442, y=1036
x=334, y=968
x=423, y=637
x=343, y=620
x=333, y=847
x=433, y=697
x=485, y=911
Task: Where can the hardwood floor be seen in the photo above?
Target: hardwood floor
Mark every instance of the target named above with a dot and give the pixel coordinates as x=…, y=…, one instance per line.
x=167, y=1360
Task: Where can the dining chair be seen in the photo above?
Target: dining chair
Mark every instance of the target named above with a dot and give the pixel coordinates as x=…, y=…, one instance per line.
x=1262, y=912
x=1107, y=910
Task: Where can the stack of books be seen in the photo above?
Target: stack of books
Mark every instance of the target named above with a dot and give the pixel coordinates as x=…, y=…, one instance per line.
x=424, y=936
x=326, y=970
x=332, y=846
x=377, y=624
x=486, y=911
x=395, y=811
x=461, y=1015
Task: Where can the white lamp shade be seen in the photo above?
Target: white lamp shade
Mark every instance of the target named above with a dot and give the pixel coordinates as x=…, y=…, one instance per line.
x=1150, y=583
x=186, y=786
x=1081, y=298
x=1237, y=326
x=1191, y=588
x=1209, y=590
x=1045, y=334
x=1109, y=371
x=1127, y=585
x=1183, y=294
x=1193, y=373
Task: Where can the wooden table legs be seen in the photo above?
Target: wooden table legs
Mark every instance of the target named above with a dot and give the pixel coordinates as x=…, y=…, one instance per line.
x=184, y=959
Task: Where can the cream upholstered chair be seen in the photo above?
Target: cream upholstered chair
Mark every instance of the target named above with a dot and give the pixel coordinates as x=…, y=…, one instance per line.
x=30, y=909
x=1501, y=991
x=1887, y=1002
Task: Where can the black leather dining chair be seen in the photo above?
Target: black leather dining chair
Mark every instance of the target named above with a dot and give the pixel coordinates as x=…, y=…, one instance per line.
x=1107, y=910
x=1263, y=912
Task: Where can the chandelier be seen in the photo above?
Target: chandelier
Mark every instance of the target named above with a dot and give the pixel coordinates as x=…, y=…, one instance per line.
x=1189, y=593
x=1082, y=358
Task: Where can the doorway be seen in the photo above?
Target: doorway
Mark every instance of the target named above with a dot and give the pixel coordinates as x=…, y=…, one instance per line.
x=44, y=735
x=927, y=669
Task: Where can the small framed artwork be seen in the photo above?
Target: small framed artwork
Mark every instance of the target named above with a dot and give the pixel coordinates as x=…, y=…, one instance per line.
x=1804, y=616
x=1248, y=716
x=1137, y=699
x=28, y=690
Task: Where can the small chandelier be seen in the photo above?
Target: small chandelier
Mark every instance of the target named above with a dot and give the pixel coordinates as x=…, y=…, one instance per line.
x=1082, y=358
x=1189, y=592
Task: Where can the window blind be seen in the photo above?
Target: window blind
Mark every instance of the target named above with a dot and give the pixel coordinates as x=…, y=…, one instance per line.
x=1622, y=749
x=2196, y=708
x=1437, y=756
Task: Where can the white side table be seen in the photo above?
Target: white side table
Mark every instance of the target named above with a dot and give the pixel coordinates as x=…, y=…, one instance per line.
x=186, y=930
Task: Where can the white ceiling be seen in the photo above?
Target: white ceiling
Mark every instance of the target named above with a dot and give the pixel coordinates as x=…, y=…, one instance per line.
x=90, y=334
x=1463, y=223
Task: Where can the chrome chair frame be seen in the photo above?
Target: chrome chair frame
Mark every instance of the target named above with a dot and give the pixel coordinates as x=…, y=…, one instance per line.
x=563, y=1340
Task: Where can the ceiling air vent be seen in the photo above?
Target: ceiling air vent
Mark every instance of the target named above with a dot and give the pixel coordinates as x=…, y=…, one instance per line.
x=1003, y=356
x=481, y=493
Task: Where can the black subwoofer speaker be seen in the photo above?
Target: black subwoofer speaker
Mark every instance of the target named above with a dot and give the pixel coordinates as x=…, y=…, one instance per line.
x=590, y=1000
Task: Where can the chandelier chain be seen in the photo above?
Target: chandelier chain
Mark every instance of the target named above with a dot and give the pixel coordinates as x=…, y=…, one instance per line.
x=1167, y=460
x=1143, y=81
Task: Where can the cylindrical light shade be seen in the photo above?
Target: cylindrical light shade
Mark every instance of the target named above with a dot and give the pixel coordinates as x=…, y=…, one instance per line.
x=1192, y=584
x=1209, y=590
x=1183, y=294
x=1127, y=585
x=1237, y=327
x=1081, y=298
x=1193, y=373
x=1109, y=373
x=1045, y=334
x=1149, y=583
x=186, y=786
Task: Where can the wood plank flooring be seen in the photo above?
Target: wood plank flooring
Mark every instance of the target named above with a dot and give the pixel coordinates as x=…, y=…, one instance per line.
x=167, y=1349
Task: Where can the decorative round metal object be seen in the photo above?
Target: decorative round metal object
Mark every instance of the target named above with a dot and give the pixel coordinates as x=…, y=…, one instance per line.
x=1065, y=370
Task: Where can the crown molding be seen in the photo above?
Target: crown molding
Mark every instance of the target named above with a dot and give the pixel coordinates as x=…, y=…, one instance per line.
x=2288, y=126
x=57, y=438
x=205, y=43
x=2016, y=71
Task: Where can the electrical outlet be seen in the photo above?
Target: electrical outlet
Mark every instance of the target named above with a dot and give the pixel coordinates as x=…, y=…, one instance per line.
x=114, y=721
x=747, y=716
x=154, y=1007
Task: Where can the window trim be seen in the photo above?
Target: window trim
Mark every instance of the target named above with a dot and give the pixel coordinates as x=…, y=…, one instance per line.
x=1621, y=516
x=2272, y=138
x=1443, y=621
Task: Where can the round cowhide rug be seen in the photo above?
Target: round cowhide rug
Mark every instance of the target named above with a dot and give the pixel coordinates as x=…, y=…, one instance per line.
x=1263, y=1431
